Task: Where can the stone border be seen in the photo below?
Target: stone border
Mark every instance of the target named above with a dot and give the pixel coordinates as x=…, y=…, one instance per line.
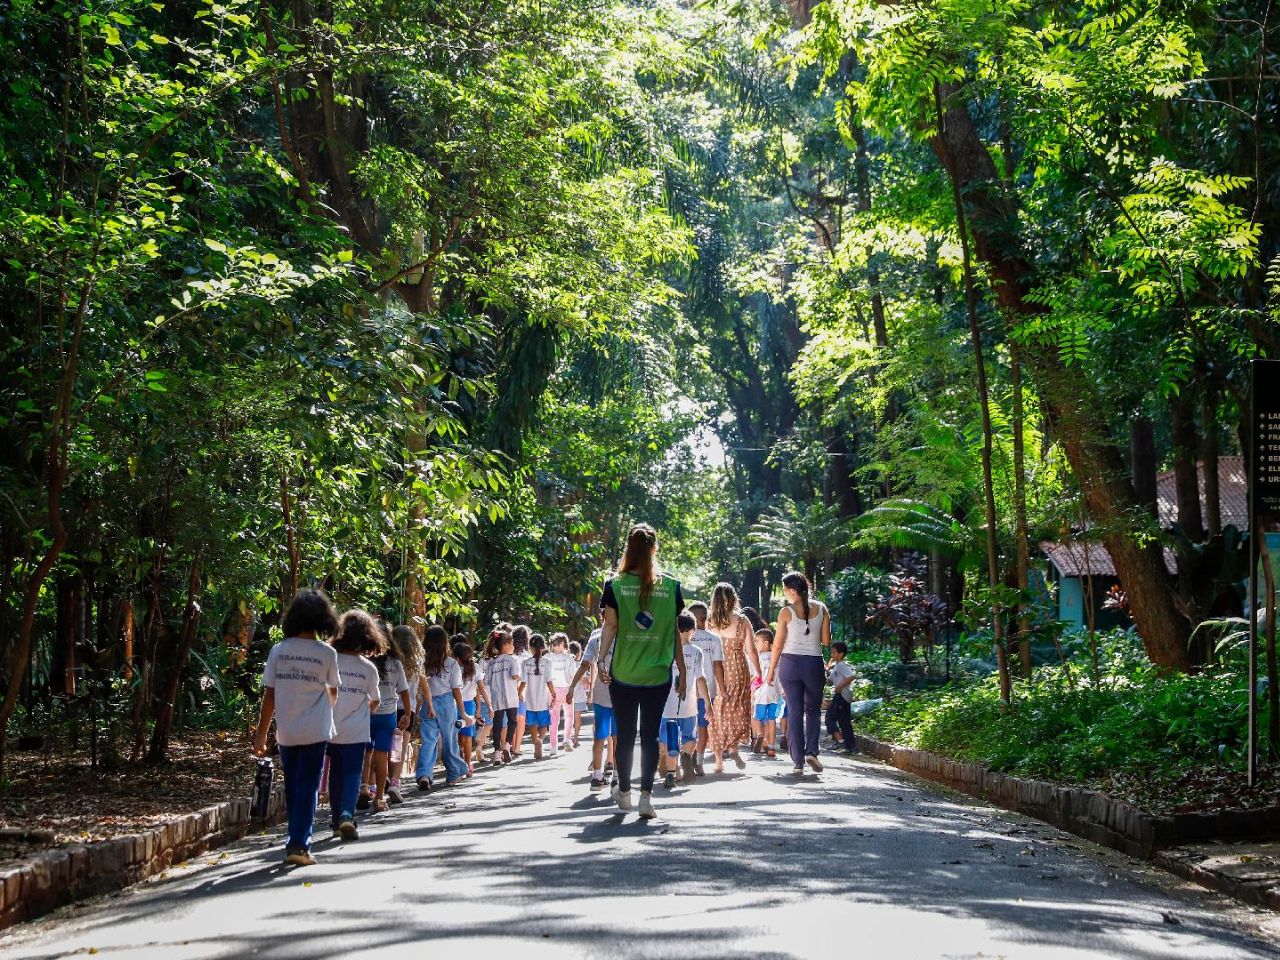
x=1090, y=814
x=53, y=878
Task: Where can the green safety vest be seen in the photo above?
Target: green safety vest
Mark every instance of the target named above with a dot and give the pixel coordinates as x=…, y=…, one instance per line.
x=646, y=642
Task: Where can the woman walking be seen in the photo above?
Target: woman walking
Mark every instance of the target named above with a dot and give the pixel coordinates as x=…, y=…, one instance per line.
x=804, y=628
x=638, y=643
x=731, y=716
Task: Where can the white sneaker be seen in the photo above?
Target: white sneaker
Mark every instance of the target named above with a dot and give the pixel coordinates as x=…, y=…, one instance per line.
x=621, y=797
x=646, y=806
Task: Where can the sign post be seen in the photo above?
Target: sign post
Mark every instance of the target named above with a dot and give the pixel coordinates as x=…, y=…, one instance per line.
x=1264, y=502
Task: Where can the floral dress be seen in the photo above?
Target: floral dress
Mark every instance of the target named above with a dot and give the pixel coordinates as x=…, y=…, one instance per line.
x=731, y=715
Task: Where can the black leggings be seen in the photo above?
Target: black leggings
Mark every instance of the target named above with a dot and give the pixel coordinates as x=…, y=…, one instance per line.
x=502, y=718
x=644, y=703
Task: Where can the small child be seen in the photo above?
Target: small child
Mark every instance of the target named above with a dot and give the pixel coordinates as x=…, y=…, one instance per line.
x=501, y=679
x=392, y=715
x=764, y=698
x=300, y=685
x=603, y=729
x=581, y=693
x=539, y=691
x=520, y=637
x=712, y=648
x=473, y=694
x=841, y=676
x=407, y=648
x=679, y=732
x=358, y=638
x=562, y=667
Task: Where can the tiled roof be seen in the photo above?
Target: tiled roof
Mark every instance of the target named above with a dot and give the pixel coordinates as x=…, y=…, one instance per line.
x=1233, y=494
x=1073, y=559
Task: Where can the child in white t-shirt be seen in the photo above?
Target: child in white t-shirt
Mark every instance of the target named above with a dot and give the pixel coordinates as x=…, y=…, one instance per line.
x=581, y=692
x=392, y=714
x=764, y=700
x=562, y=669
x=841, y=676
x=538, y=689
x=358, y=639
x=502, y=680
x=300, y=686
x=442, y=710
x=679, y=731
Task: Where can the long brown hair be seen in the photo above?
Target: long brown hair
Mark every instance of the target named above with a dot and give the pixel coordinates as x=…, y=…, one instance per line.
x=638, y=558
x=435, y=648
x=407, y=648
x=724, y=605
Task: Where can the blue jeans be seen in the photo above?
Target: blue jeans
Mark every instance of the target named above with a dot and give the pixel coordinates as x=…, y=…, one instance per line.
x=803, y=679
x=301, y=768
x=440, y=735
x=346, y=764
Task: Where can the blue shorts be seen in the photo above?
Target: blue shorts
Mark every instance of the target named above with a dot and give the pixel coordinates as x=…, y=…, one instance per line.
x=537, y=718
x=676, y=732
x=703, y=722
x=486, y=717
x=766, y=712
x=520, y=710
x=382, y=730
x=470, y=707
x=604, y=726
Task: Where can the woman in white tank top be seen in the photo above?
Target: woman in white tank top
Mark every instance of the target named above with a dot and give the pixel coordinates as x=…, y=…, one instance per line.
x=804, y=628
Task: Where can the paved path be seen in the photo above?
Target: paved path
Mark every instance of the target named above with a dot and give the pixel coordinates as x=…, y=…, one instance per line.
x=526, y=864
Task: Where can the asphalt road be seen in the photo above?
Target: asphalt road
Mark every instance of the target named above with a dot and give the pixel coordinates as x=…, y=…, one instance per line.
x=525, y=863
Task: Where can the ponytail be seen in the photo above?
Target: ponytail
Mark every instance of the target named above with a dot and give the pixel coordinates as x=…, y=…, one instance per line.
x=800, y=584
x=538, y=644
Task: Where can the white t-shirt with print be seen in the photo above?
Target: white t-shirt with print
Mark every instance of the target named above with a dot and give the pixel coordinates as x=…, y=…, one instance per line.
x=390, y=686
x=563, y=667
x=677, y=707
x=599, y=691
x=712, y=648
x=301, y=671
x=536, y=694
x=359, y=686
x=501, y=673
x=446, y=678
x=841, y=670
x=768, y=693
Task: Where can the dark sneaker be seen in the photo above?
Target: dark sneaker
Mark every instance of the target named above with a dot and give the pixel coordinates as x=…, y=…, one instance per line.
x=698, y=769
x=669, y=781
x=814, y=764
x=687, y=768
x=393, y=797
x=597, y=785
x=347, y=828
x=424, y=784
x=365, y=801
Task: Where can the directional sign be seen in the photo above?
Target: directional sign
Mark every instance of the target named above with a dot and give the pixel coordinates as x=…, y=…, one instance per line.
x=1264, y=475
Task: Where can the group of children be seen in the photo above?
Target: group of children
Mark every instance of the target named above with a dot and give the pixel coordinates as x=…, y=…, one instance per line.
x=348, y=693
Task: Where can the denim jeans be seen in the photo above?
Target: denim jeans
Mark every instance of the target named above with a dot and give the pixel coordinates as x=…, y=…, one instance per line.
x=803, y=679
x=346, y=764
x=439, y=735
x=300, y=766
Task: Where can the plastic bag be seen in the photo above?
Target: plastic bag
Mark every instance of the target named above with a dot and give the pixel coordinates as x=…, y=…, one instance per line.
x=860, y=708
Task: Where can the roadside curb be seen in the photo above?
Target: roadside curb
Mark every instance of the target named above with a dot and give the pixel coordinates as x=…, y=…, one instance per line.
x=1229, y=872
x=54, y=878
x=1091, y=814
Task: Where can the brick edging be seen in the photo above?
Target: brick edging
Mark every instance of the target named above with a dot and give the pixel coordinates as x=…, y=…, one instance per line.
x=1087, y=813
x=36, y=885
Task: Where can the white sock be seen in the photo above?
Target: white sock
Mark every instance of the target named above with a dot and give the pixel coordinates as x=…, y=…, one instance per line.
x=598, y=773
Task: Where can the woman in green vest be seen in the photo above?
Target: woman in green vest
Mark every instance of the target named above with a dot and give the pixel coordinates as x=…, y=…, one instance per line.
x=638, y=644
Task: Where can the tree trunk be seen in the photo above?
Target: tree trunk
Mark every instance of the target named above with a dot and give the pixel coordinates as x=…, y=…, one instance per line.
x=291, y=543
x=1077, y=416
x=1209, y=454
x=988, y=484
x=1142, y=462
x=1185, y=475
x=1020, y=518
x=160, y=732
